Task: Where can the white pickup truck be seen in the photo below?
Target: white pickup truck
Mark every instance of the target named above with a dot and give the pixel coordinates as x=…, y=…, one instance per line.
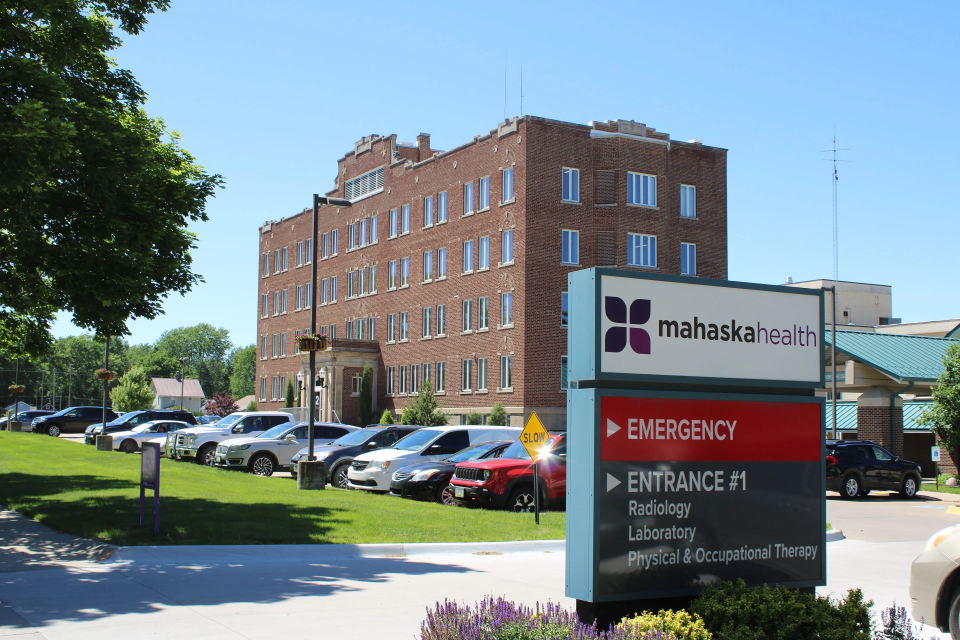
x=200, y=443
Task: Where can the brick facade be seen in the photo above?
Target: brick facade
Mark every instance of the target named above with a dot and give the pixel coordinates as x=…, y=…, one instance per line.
x=536, y=150
x=873, y=423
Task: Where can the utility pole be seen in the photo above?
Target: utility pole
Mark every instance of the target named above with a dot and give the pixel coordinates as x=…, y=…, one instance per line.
x=55, y=390
x=70, y=388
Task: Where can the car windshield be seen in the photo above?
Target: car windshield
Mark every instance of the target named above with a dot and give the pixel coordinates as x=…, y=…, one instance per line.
x=416, y=440
x=229, y=420
x=127, y=418
x=516, y=451
x=472, y=453
x=355, y=437
x=141, y=429
x=275, y=432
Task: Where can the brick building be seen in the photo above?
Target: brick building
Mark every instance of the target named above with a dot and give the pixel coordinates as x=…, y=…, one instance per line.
x=452, y=265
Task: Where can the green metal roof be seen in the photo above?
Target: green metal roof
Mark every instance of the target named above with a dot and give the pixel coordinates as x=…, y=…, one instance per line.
x=847, y=415
x=903, y=358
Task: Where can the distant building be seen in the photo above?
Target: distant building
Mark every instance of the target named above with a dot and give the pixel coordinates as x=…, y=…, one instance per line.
x=168, y=393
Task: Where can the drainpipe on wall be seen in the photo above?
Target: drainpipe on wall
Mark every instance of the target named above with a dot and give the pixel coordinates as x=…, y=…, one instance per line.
x=893, y=427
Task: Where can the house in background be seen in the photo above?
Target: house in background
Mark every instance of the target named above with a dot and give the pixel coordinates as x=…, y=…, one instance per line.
x=168, y=391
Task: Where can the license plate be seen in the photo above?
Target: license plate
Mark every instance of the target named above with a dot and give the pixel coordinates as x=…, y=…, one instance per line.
x=458, y=492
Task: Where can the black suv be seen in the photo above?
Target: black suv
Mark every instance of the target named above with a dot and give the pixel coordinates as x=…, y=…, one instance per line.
x=72, y=420
x=135, y=418
x=857, y=467
x=338, y=455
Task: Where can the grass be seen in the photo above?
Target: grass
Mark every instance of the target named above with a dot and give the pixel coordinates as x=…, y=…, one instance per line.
x=829, y=526
x=930, y=486
x=75, y=489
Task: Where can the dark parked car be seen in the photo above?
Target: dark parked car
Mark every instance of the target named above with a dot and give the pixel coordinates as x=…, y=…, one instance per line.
x=72, y=420
x=340, y=453
x=431, y=480
x=135, y=418
x=25, y=417
x=857, y=467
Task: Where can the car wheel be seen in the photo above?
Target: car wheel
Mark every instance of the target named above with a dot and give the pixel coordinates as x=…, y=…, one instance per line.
x=53, y=430
x=953, y=624
x=909, y=488
x=128, y=446
x=207, y=455
x=446, y=496
x=262, y=465
x=521, y=500
x=340, y=476
x=851, y=487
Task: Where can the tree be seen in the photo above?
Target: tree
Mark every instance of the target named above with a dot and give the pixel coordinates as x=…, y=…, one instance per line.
x=498, y=417
x=75, y=358
x=133, y=392
x=288, y=402
x=387, y=418
x=409, y=415
x=222, y=404
x=243, y=371
x=252, y=406
x=474, y=418
x=425, y=410
x=95, y=196
x=364, y=402
x=205, y=348
x=943, y=415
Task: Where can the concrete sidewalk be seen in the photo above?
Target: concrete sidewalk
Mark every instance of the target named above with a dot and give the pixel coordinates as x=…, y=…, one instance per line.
x=27, y=545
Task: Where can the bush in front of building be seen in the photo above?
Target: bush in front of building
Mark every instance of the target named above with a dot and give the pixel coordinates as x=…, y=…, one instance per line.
x=288, y=403
x=498, y=416
x=425, y=410
x=679, y=624
x=474, y=418
x=387, y=418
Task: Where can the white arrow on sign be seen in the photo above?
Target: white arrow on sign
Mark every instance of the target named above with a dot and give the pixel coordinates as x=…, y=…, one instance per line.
x=612, y=427
x=612, y=482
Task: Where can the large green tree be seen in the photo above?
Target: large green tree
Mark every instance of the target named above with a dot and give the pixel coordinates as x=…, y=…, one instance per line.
x=133, y=392
x=243, y=371
x=95, y=196
x=943, y=416
x=205, y=349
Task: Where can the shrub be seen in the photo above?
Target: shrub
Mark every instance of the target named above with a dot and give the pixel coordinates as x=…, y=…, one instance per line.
x=897, y=625
x=732, y=611
x=499, y=619
x=680, y=624
x=289, y=396
x=474, y=418
x=252, y=406
x=498, y=416
x=387, y=418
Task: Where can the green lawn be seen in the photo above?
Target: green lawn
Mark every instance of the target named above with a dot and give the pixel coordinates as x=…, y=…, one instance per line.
x=943, y=488
x=76, y=489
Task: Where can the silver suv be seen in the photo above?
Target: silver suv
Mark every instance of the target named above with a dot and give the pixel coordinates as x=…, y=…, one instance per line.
x=200, y=443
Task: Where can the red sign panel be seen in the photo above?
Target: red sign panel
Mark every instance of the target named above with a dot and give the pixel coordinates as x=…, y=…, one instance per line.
x=672, y=429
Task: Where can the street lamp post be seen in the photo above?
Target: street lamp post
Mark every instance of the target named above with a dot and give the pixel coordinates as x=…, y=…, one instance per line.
x=314, y=480
x=104, y=441
x=183, y=369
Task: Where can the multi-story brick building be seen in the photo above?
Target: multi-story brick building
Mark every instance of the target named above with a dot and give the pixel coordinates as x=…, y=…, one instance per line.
x=452, y=266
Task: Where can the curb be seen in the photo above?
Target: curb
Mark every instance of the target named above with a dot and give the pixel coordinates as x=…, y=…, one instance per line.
x=229, y=554
x=835, y=534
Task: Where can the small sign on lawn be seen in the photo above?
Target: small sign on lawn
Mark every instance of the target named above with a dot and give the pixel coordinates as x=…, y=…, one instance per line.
x=150, y=479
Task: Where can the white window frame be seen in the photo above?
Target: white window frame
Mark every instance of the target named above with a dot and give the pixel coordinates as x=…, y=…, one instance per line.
x=466, y=324
x=466, y=375
x=403, y=380
x=506, y=247
x=441, y=207
x=390, y=377
x=481, y=374
x=308, y=253
x=265, y=311
x=427, y=321
x=441, y=377
x=325, y=246
x=570, y=188
x=484, y=193
x=334, y=242
x=404, y=272
x=392, y=275
x=428, y=211
x=323, y=291
x=468, y=198
x=333, y=288
x=483, y=253
x=264, y=347
x=506, y=373
x=300, y=254
x=308, y=295
x=688, y=201
x=641, y=189
x=373, y=279
x=507, y=186
x=299, y=297
x=570, y=246
x=640, y=245
x=405, y=219
x=441, y=263
x=394, y=223
x=441, y=319
x=688, y=255
x=483, y=313
x=286, y=258
x=468, y=256
x=404, y=326
x=427, y=266
x=374, y=229
x=506, y=309
x=391, y=328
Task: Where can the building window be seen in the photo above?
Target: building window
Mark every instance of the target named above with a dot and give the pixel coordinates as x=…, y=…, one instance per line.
x=393, y=223
x=362, y=281
x=483, y=313
x=349, y=330
x=351, y=236
x=428, y=211
x=571, y=247
x=642, y=189
x=442, y=207
x=391, y=327
x=641, y=250
x=296, y=343
x=414, y=378
x=299, y=297
x=308, y=295
x=350, y=285
x=484, y=193
x=688, y=201
x=483, y=257
x=266, y=265
x=506, y=247
x=265, y=311
x=263, y=347
x=392, y=275
x=283, y=299
x=283, y=344
x=365, y=185
x=563, y=309
x=323, y=291
x=404, y=272
x=300, y=254
x=426, y=373
x=372, y=328
x=563, y=373
x=506, y=372
x=325, y=246
x=442, y=263
x=403, y=379
x=276, y=303
x=286, y=258
x=276, y=261
x=441, y=319
x=441, y=376
x=362, y=232
x=466, y=375
x=362, y=329
x=506, y=309
x=390, y=374
x=334, y=241
x=688, y=259
x=468, y=198
x=428, y=266
x=263, y=389
x=571, y=185
x=403, y=326
x=357, y=383
x=308, y=256
x=333, y=288
x=333, y=331
x=507, y=185
x=374, y=234
x=468, y=256
x=427, y=324
x=467, y=315
x=481, y=374
x=276, y=345
x=373, y=278
x=405, y=219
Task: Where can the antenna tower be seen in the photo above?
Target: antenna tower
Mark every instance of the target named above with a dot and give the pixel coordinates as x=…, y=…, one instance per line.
x=836, y=250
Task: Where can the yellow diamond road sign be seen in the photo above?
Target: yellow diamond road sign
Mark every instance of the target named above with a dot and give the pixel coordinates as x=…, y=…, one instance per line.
x=534, y=436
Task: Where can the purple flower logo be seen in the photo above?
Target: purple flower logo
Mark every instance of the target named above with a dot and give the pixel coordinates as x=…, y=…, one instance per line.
x=615, y=339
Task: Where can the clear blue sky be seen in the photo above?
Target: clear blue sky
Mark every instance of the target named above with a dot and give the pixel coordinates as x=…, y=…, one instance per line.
x=270, y=95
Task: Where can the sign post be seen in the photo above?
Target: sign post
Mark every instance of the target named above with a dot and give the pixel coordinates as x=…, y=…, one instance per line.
x=696, y=439
x=935, y=456
x=150, y=479
x=534, y=438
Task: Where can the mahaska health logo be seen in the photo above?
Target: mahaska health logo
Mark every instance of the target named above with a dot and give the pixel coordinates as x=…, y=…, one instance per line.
x=615, y=340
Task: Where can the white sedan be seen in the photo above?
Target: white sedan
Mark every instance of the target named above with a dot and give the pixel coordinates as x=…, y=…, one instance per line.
x=132, y=441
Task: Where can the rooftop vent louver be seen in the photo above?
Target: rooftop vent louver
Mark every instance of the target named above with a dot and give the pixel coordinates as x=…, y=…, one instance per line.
x=362, y=186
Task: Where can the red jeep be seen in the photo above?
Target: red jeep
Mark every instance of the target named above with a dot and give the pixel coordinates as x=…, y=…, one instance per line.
x=507, y=482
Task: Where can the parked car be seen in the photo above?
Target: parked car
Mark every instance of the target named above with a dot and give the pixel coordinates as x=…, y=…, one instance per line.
x=131, y=419
x=132, y=441
x=372, y=471
x=200, y=443
x=72, y=420
x=935, y=582
x=857, y=467
x=273, y=449
x=25, y=417
x=431, y=480
x=208, y=419
x=507, y=482
x=339, y=454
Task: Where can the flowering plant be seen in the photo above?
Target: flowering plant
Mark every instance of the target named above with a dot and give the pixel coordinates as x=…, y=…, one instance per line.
x=310, y=342
x=105, y=374
x=16, y=388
